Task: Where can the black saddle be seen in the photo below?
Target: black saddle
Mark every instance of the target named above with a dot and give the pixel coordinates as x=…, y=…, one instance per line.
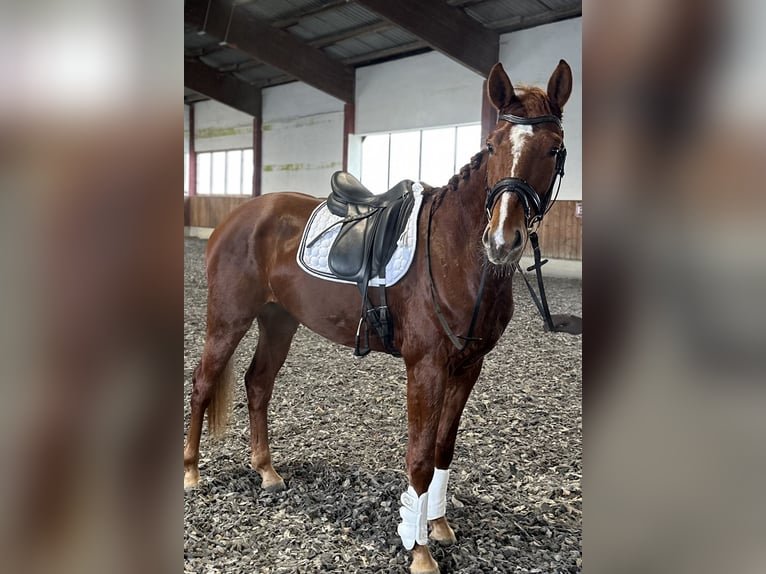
x=347, y=190
x=370, y=230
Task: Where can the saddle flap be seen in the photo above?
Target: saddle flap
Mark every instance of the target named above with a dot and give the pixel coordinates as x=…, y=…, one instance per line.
x=392, y=224
x=349, y=256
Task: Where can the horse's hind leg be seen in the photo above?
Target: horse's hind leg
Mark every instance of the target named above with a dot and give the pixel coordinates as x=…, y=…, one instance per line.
x=276, y=328
x=211, y=387
x=456, y=395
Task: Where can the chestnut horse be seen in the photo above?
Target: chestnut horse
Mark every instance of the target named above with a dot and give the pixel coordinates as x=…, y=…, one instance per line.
x=471, y=234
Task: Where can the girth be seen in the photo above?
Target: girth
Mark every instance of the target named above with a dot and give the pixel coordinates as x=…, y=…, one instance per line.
x=366, y=242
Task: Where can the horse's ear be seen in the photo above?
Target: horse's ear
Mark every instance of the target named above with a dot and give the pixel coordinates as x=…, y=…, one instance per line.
x=560, y=85
x=499, y=88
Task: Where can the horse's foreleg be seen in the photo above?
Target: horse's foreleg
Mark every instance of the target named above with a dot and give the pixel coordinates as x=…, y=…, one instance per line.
x=425, y=391
x=275, y=334
x=455, y=397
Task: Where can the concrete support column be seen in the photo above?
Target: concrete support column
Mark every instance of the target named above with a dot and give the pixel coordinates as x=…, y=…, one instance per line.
x=192, y=154
x=349, y=121
x=257, y=154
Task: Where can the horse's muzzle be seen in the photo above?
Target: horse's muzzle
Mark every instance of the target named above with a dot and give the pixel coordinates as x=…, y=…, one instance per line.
x=504, y=250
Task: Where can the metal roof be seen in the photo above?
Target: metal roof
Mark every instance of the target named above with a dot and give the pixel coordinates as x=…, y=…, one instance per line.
x=347, y=32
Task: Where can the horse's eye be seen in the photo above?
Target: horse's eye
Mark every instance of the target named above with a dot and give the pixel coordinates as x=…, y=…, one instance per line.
x=490, y=148
x=554, y=151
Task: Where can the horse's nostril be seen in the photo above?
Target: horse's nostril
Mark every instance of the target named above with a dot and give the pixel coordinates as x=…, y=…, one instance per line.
x=517, y=240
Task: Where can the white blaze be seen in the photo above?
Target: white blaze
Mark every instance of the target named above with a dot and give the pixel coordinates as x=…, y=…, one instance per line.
x=498, y=235
x=518, y=137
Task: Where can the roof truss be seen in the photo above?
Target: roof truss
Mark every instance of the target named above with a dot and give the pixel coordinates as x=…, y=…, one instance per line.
x=445, y=28
x=222, y=87
x=237, y=28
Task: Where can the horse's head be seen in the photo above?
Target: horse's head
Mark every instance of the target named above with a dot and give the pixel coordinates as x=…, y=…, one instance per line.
x=526, y=152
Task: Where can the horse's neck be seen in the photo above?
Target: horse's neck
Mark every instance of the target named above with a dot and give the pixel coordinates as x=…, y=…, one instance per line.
x=461, y=220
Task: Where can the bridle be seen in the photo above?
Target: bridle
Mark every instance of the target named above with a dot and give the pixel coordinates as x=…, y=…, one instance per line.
x=532, y=202
x=535, y=205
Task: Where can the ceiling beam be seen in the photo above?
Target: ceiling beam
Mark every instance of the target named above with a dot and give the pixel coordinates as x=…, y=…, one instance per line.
x=241, y=30
x=387, y=52
x=349, y=33
x=222, y=87
x=298, y=15
x=515, y=23
x=445, y=28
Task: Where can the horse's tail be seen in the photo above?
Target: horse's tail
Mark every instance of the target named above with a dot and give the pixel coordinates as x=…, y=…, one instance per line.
x=218, y=410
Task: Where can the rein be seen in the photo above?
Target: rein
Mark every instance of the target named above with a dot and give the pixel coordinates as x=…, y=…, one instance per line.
x=532, y=202
x=456, y=339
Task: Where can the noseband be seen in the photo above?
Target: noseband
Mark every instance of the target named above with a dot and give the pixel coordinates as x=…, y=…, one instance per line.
x=535, y=206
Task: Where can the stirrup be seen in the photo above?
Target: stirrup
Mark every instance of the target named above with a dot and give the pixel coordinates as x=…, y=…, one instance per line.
x=359, y=353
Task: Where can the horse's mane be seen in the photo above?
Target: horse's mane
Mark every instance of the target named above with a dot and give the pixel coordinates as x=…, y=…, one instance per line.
x=463, y=175
x=466, y=170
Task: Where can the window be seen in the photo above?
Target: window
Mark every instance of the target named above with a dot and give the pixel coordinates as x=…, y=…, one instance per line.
x=234, y=172
x=218, y=175
x=375, y=162
x=432, y=155
x=438, y=163
x=247, y=171
x=225, y=172
x=203, y=174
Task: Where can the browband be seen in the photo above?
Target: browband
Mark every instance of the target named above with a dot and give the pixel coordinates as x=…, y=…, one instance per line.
x=530, y=121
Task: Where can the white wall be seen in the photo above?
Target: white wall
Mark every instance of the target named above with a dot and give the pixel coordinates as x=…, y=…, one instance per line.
x=302, y=139
x=529, y=57
x=219, y=127
x=423, y=91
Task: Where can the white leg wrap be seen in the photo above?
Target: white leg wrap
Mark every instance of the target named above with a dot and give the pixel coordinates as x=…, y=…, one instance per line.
x=414, y=525
x=437, y=494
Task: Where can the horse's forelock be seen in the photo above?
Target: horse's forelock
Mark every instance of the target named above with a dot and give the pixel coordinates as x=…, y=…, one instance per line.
x=535, y=101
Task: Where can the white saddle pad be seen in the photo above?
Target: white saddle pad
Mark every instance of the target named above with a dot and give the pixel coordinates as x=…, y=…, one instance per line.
x=313, y=260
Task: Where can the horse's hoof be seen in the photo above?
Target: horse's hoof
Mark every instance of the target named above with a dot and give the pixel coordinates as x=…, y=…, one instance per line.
x=433, y=570
x=448, y=540
x=277, y=486
x=191, y=479
x=441, y=532
x=423, y=562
